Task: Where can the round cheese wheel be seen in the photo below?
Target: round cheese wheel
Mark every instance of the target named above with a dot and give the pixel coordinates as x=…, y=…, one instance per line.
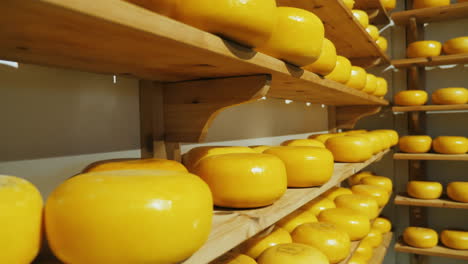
x=382, y=224
x=420, y=237
x=327, y=61
x=295, y=219
x=450, y=145
x=318, y=204
x=378, y=193
x=362, y=204
x=455, y=239
x=410, y=98
x=458, y=191
x=292, y=253
x=356, y=225
x=350, y=148
x=136, y=164
x=381, y=181
x=450, y=95
x=415, y=144
x=424, y=189
x=256, y=245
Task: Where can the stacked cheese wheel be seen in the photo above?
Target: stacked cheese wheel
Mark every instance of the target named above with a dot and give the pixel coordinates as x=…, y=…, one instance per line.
x=457, y=191
x=357, y=145
x=442, y=144
x=421, y=237
x=443, y=96
x=432, y=48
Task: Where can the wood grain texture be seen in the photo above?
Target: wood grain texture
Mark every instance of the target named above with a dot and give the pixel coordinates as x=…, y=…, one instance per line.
x=151, y=119
x=374, y=8
x=430, y=108
x=191, y=106
x=438, y=251
x=117, y=37
x=339, y=24
x=431, y=61
x=404, y=199
x=347, y=117
x=231, y=227
x=432, y=14
x=430, y=156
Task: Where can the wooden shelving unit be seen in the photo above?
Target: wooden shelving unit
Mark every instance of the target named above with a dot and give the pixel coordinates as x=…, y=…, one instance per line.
x=433, y=14
x=431, y=61
x=404, y=199
x=381, y=251
x=425, y=108
x=374, y=8
x=437, y=251
x=133, y=41
x=339, y=22
x=430, y=156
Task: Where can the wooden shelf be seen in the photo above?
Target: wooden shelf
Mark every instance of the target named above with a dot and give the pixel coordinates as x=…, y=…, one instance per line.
x=430, y=156
x=380, y=252
x=339, y=24
x=116, y=37
x=404, y=199
x=433, y=14
x=374, y=8
x=430, y=108
x=437, y=251
x=431, y=61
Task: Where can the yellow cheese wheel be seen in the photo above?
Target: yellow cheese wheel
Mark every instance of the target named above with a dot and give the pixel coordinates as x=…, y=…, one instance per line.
x=295, y=219
x=420, y=237
x=424, y=189
x=249, y=22
x=385, y=138
x=163, y=7
x=234, y=258
x=305, y=166
x=455, y=239
x=129, y=216
x=350, y=148
x=450, y=95
x=349, y=3
x=243, y=180
x=374, y=238
x=373, y=31
x=458, y=191
x=256, y=245
x=136, y=164
x=364, y=251
x=393, y=135
x=410, y=97
x=381, y=181
x=388, y=4
x=356, y=178
x=375, y=140
x=304, y=143
x=292, y=253
x=335, y=192
x=382, y=87
x=361, y=17
x=20, y=219
x=260, y=148
x=301, y=46
x=191, y=158
x=342, y=71
x=318, y=204
x=424, y=48
x=358, y=78
x=326, y=237
x=456, y=45
x=450, y=145
x=382, y=43
x=415, y=144
x=324, y=137
x=371, y=84
x=357, y=260
x=429, y=3
x=356, y=225
x=380, y=195
x=327, y=61
x=382, y=224
x=362, y=204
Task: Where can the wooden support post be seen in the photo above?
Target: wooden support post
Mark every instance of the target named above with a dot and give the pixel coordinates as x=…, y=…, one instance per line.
x=191, y=106
x=347, y=116
x=151, y=119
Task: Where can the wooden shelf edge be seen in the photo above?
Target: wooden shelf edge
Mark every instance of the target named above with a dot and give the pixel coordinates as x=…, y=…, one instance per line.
x=430, y=156
x=377, y=13
x=404, y=199
x=438, y=251
x=381, y=250
x=431, y=61
x=430, y=108
x=432, y=14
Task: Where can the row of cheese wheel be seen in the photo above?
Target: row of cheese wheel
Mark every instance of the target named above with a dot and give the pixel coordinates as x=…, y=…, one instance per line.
x=442, y=144
x=328, y=224
x=433, y=3
x=421, y=237
x=432, y=48
x=457, y=191
x=291, y=34
x=443, y=96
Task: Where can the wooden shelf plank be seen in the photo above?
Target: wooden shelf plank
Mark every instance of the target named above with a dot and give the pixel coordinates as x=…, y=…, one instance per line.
x=380, y=252
x=374, y=8
x=437, y=251
x=339, y=23
x=116, y=37
x=430, y=108
x=432, y=14
x=430, y=156
x=431, y=61
x=404, y=199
